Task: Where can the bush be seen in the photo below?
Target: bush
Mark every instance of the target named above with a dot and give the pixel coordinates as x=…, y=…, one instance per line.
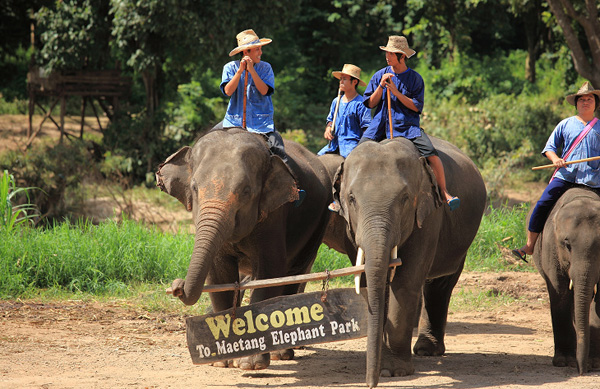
x=11, y=215
x=56, y=169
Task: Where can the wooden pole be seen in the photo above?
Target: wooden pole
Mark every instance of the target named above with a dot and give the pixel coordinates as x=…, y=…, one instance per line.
x=566, y=163
x=337, y=107
x=289, y=279
x=245, y=92
x=389, y=104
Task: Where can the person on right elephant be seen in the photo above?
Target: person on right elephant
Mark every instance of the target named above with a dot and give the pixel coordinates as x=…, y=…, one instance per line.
x=579, y=137
x=406, y=95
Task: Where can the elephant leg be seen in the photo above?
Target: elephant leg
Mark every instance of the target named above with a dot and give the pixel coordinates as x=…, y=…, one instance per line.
x=561, y=310
x=396, y=357
x=224, y=272
x=595, y=333
x=282, y=355
x=434, y=314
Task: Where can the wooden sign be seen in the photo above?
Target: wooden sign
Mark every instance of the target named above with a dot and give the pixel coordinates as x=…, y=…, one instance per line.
x=276, y=324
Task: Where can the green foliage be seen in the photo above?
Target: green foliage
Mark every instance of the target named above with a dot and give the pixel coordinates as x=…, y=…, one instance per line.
x=12, y=215
x=501, y=229
x=75, y=35
x=96, y=259
x=13, y=79
x=56, y=169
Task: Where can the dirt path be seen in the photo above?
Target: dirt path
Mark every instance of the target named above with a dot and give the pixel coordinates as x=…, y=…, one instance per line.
x=76, y=344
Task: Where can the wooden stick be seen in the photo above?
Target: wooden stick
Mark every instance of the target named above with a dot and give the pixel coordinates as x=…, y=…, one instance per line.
x=337, y=106
x=389, y=104
x=566, y=163
x=289, y=279
x=245, y=92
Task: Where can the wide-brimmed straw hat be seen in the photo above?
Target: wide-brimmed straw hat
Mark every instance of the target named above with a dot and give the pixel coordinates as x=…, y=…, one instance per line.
x=398, y=44
x=350, y=70
x=248, y=39
x=585, y=89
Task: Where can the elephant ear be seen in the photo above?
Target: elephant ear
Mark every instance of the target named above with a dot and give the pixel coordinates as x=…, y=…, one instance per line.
x=174, y=175
x=337, y=182
x=279, y=187
x=429, y=197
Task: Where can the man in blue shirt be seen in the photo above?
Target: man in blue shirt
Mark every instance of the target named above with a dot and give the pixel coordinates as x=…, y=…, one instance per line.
x=587, y=174
x=407, y=98
x=260, y=86
x=351, y=115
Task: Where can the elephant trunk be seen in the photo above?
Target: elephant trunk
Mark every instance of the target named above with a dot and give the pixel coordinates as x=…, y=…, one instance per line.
x=582, y=294
x=212, y=229
x=377, y=258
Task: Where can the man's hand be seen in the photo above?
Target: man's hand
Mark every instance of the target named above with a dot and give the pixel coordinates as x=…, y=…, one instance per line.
x=246, y=63
x=328, y=135
x=386, y=82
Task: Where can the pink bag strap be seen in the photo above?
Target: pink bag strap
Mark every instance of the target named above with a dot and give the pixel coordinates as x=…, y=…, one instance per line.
x=579, y=138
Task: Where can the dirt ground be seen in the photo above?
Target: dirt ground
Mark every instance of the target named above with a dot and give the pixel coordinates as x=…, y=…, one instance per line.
x=77, y=344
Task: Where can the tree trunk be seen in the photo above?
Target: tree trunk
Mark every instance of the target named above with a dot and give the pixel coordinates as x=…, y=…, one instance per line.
x=565, y=14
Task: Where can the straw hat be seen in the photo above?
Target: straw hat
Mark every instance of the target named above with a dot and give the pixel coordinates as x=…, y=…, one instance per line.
x=585, y=89
x=398, y=44
x=350, y=70
x=248, y=39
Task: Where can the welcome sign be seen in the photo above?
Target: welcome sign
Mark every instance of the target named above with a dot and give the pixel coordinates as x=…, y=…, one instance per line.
x=276, y=324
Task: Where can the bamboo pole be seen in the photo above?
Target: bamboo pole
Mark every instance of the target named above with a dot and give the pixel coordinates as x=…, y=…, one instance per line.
x=245, y=93
x=566, y=163
x=389, y=104
x=289, y=279
x=337, y=107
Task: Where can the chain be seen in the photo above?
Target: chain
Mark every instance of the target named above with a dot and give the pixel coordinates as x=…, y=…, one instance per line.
x=325, y=287
x=236, y=294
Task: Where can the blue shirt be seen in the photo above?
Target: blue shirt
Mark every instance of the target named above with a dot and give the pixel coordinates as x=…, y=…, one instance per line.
x=406, y=122
x=563, y=136
x=352, y=118
x=259, y=108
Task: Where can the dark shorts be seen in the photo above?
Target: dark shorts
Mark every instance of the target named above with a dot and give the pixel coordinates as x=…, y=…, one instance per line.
x=424, y=145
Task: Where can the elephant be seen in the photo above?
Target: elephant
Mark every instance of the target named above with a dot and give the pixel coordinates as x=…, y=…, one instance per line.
x=393, y=209
x=336, y=234
x=566, y=255
x=247, y=224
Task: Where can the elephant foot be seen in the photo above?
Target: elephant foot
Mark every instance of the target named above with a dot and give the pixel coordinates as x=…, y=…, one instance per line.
x=228, y=363
x=393, y=365
x=254, y=362
x=282, y=355
x=563, y=360
x=428, y=346
x=595, y=363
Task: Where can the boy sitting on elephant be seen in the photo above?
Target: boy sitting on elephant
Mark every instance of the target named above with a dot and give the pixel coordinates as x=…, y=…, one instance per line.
x=407, y=92
x=250, y=83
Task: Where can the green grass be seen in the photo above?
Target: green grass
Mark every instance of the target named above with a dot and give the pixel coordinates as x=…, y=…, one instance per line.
x=130, y=261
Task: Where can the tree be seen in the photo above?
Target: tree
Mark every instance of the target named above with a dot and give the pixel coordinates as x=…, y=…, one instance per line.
x=529, y=12
x=572, y=16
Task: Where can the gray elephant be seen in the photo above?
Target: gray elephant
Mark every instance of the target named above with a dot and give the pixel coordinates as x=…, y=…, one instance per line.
x=336, y=234
x=241, y=198
x=393, y=208
x=567, y=258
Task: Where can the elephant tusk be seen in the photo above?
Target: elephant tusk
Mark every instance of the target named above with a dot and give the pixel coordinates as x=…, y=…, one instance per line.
x=570, y=284
x=595, y=290
x=394, y=256
x=360, y=259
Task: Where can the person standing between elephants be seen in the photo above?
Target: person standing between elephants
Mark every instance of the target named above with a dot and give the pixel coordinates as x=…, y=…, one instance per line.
x=407, y=98
x=351, y=116
x=579, y=137
x=259, y=88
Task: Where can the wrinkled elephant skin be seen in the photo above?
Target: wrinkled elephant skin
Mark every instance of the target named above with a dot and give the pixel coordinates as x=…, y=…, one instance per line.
x=241, y=198
x=389, y=198
x=566, y=255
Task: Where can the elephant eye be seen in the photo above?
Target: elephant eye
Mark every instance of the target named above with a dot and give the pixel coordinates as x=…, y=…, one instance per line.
x=194, y=187
x=351, y=198
x=567, y=244
x=247, y=191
